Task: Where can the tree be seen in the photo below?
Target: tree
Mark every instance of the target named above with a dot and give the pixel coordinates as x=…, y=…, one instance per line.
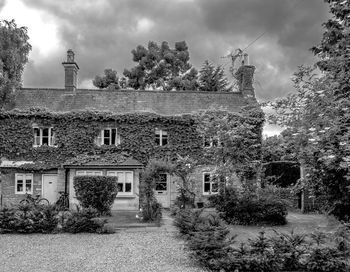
x=109, y=80
x=14, y=50
x=212, y=79
x=162, y=67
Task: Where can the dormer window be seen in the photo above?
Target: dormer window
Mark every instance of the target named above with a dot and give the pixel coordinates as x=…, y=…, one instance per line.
x=44, y=136
x=108, y=136
x=161, y=137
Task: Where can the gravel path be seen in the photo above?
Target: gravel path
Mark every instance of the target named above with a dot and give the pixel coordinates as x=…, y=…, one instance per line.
x=142, y=249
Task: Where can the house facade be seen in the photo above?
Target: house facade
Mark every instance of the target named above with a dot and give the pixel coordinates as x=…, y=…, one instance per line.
x=53, y=135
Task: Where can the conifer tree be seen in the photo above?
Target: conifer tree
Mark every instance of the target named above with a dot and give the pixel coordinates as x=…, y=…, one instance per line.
x=213, y=79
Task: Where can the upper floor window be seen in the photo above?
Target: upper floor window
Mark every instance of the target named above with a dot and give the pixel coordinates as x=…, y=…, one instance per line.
x=44, y=136
x=211, y=142
x=210, y=184
x=24, y=183
x=108, y=136
x=161, y=137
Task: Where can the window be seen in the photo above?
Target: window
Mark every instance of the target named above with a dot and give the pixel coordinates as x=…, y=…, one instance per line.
x=125, y=181
x=210, y=184
x=211, y=142
x=108, y=136
x=24, y=183
x=88, y=173
x=161, y=137
x=44, y=136
x=161, y=183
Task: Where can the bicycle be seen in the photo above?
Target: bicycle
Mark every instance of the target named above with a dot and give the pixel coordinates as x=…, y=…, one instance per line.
x=30, y=200
x=62, y=204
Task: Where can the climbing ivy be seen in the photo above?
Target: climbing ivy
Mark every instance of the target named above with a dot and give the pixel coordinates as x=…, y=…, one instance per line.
x=76, y=131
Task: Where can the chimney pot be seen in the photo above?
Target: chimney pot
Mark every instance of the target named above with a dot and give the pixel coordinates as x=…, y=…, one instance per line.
x=70, y=55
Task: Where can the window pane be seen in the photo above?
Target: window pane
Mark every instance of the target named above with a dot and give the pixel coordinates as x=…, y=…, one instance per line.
x=114, y=136
x=106, y=137
x=165, y=140
x=36, y=136
x=157, y=140
x=215, y=142
x=28, y=185
x=214, y=187
x=120, y=187
x=19, y=185
x=206, y=187
x=45, y=137
x=127, y=187
x=206, y=177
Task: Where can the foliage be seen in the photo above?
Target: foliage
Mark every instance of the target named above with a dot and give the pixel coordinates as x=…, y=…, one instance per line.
x=278, y=148
x=151, y=210
x=249, y=208
x=213, y=79
x=318, y=117
x=28, y=219
x=98, y=192
x=239, y=138
x=211, y=246
x=159, y=66
x=280, y=173
x=14, y=50
x=83, y=220
x=110, y=80
x=183, y=168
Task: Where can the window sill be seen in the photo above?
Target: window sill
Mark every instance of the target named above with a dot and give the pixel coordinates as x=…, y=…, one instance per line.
x=126, y=196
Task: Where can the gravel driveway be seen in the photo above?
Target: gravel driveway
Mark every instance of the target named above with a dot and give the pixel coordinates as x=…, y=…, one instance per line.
x=138, y=249
x=124, y=251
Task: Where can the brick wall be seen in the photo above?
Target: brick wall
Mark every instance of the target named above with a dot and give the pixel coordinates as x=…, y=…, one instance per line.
x=164, y=103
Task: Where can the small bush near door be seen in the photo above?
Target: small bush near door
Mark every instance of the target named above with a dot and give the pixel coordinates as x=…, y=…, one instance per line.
x=98, y=192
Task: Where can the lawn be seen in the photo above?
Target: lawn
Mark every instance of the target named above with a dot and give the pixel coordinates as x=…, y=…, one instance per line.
x=297, y=222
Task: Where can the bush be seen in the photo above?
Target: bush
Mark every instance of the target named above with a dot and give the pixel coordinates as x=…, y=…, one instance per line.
x=28, y=219
x=83, y=220
x=249, y=208
x=98, y=192
x=187, y=221
x=150, y=211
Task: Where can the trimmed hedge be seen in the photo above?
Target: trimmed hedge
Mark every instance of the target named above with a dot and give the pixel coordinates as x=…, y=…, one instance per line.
x=98, y=192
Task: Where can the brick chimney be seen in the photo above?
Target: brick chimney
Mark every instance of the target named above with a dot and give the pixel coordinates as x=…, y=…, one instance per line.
x=70, y=72
x=245, y=77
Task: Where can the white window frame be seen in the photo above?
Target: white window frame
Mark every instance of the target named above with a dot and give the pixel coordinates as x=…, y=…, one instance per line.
x=211, y=184
x=24, y=183
x=100, y=137
x=115, y=174
x=88, y=173
x=51, y=136
x=162, y=134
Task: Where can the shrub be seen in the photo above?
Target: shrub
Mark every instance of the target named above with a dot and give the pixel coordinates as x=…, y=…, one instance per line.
x=28, y=219
x=187, y=221
x=248, y=208
x=326, y=259
x=151, y=210
x=98, y=192
x=83, y=220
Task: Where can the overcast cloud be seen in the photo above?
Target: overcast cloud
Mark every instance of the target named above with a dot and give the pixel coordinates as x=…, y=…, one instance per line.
x=102, y=34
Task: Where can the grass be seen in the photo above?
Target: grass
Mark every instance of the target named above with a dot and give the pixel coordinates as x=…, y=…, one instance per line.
x=127, y=219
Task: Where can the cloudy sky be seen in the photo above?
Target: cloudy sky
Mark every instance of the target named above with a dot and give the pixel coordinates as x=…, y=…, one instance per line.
x=102, y=34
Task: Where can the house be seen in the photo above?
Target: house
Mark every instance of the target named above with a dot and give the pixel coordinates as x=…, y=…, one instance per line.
x=53, y=135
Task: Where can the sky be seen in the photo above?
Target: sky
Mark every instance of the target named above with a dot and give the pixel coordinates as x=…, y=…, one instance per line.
x=102, y=34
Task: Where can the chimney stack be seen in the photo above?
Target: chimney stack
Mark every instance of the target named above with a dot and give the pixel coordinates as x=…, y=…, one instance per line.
x=245, y=77
x=70, y=72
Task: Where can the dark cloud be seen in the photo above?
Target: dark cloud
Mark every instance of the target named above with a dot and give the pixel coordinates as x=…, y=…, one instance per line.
x=103, y=33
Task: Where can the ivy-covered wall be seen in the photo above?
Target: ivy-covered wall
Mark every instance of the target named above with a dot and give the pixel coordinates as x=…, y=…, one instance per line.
x=76, y=131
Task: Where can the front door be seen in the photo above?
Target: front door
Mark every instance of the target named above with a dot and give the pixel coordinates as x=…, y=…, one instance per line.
x=50, y=187
x=162, y=190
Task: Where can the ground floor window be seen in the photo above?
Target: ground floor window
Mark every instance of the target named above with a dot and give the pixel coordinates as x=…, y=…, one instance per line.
x=24, y=184
x=125, y=181
x=161, y=183
x=210, y=184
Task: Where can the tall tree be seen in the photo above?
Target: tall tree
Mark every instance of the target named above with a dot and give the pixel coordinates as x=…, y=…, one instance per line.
x=14, y=50
x=213, y=79
x=109, y=80
x=162, y=67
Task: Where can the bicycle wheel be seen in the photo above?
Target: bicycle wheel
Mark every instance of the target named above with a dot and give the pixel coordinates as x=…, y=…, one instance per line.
x=43, y=201
x=25, y=202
